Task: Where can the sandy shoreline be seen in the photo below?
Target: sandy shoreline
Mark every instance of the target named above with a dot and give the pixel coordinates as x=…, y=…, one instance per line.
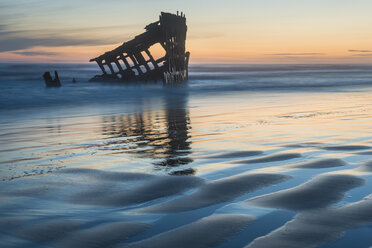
x=252, y=168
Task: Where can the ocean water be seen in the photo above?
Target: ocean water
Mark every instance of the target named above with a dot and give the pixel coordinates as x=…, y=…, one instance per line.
x=239, y=156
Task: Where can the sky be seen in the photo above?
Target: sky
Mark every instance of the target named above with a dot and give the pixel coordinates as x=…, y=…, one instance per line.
x=234, y=31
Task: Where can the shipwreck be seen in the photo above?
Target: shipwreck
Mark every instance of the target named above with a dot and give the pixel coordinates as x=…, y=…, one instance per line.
x=133, y=60
x=49, y=81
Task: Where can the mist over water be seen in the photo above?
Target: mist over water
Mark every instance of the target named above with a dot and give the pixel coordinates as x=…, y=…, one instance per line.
x=21, y=82
x=239, y=156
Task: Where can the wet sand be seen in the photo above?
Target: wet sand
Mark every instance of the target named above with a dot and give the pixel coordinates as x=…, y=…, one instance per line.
x=236, y=169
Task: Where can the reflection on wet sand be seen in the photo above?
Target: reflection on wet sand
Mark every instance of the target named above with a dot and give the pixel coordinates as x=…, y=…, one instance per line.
x=162, y=136
x=88, y=179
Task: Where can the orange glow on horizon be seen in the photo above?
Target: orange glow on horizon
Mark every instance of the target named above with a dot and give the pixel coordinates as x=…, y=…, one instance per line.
x=272, y=31
x=200, y=53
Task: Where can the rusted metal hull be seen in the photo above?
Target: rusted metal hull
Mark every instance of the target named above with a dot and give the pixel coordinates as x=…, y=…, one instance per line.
x=133, y=60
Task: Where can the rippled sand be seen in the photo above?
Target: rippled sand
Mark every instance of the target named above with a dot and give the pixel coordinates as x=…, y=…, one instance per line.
x=279, y=169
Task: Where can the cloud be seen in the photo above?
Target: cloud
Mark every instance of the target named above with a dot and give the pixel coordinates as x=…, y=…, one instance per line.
x=21, y=3
x=35, y=53
x=295, y=54
x=13, y=44
x=362, y=55
x=14, y=40
x=359, y=51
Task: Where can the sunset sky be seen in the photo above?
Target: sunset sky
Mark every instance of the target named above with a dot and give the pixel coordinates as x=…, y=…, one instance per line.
x=235, y=31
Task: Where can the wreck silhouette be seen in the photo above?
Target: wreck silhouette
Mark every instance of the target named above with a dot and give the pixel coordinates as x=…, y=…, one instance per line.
x=133, y=61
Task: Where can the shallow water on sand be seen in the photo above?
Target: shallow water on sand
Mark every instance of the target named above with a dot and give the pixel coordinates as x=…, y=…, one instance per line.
x=221, y=162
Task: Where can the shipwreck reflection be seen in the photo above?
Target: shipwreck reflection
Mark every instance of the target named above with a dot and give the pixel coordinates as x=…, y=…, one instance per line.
x=162, y=135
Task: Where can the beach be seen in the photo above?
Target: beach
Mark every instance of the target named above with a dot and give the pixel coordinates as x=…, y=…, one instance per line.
x=239, y=156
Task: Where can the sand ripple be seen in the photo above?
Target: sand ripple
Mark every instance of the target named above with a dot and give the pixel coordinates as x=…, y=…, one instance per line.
x=346, y=148
x=367, y=166
x=312, y=228
x=107, y=175
x=207, y=232
x=104, y=235
x=271, y=158
x=46, y=231
x=239, y=154
x=319, y=192
x=218, y=191
x=320, y=163
x=158, y=187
